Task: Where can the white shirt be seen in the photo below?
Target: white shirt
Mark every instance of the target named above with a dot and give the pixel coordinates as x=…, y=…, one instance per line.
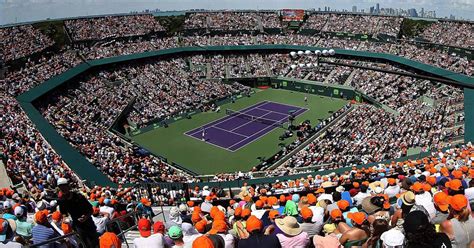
x=155, y=240
x=426, y=200
x=259, y=213
x=107, y=209
x=359, y=197
x=469, y=193
x=228, y=239
x=392, y=191
x=318, y=214
x=100, y=223
x=189, y=239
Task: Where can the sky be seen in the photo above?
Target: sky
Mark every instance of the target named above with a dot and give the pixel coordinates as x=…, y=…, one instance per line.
x=13, y=11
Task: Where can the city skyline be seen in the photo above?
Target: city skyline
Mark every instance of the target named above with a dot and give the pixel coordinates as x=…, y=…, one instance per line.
x=12, y=11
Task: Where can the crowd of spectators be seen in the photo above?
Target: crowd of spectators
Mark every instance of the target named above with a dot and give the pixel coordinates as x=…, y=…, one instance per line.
x=22, y=41
x=35, y=72
x=161, y=89
x=84, y=113
x=370, y=134
x=459, y=34
x=231, y=20
x=425, y=202
x=355, y=24
x=112, y=27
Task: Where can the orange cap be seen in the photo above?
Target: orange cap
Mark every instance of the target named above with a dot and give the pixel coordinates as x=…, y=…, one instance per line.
x=190, y=204
x=201, y=226
x=431, y=180
x=441, y=200
x=57, y=216
x=365, y=183
x=66, y=228
x=238, y=211
x=392, y=181
x=417, y=187
x=145, y=202
x=272, y=200
x=253, y=223
x=458, y=202
x=109, y=240
x=203, y=242
x=336, y=213
x=246, y=212
x=454, y=184
x=282, y=198
x=232, y=202
x=444, y=171
x=208, y=198
x=144, y=227
x=273, y=214
x=471, y=173
x=343, y=205
x=218, y=226
x=457, y=174
x=311, y=199
x=195, y=217
x=357, y=217
x=41, y=217
x=427, y=187
x=219, y=215
x=306, y=213
x=101, y=200
x=259, y=204
x=356, y=185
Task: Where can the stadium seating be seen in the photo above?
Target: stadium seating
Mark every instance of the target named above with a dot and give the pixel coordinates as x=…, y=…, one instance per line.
x=346, y=196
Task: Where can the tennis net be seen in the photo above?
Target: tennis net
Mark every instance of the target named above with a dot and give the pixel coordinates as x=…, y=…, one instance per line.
x=270, y=122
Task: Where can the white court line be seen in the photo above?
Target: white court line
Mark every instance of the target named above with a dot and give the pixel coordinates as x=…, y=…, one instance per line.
x=250, y=121
x=225, y=118
x=257, y=138
x=256, y=134
x=209, y=143
x=245, y=110
x=230, y=131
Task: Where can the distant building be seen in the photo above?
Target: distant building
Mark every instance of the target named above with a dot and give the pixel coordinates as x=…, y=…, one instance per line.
x=412, y=13
x=377, y=8
x=372, y=10
x=354, y=9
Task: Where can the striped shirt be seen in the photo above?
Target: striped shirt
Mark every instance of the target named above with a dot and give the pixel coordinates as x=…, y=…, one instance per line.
x=43, y=233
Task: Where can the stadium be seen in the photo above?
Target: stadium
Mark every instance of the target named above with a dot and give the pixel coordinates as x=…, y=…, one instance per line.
x=281, y=128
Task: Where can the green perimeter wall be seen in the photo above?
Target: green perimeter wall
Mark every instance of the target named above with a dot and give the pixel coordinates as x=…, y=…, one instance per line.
x=88, y=172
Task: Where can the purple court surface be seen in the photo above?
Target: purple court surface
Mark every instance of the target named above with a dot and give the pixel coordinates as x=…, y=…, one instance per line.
x=233, y=132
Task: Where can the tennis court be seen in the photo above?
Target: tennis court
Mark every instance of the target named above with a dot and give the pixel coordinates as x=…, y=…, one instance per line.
x=240, y=128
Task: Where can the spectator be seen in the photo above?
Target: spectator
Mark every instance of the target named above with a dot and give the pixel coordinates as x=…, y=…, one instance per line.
x=460, y=227
x=43, y=231
x=291, y=233
x=256, y=238
x=109, y=240
x=7, y=234
x=419, y=232
x=146, y=239
x=176, y=234
x=76, y=205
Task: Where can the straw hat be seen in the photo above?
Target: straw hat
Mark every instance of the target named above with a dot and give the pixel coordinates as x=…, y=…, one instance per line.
x=289, y=225
x=368, y=206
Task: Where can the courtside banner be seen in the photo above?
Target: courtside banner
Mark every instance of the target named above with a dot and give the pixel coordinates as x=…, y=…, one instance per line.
x=289, y=15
